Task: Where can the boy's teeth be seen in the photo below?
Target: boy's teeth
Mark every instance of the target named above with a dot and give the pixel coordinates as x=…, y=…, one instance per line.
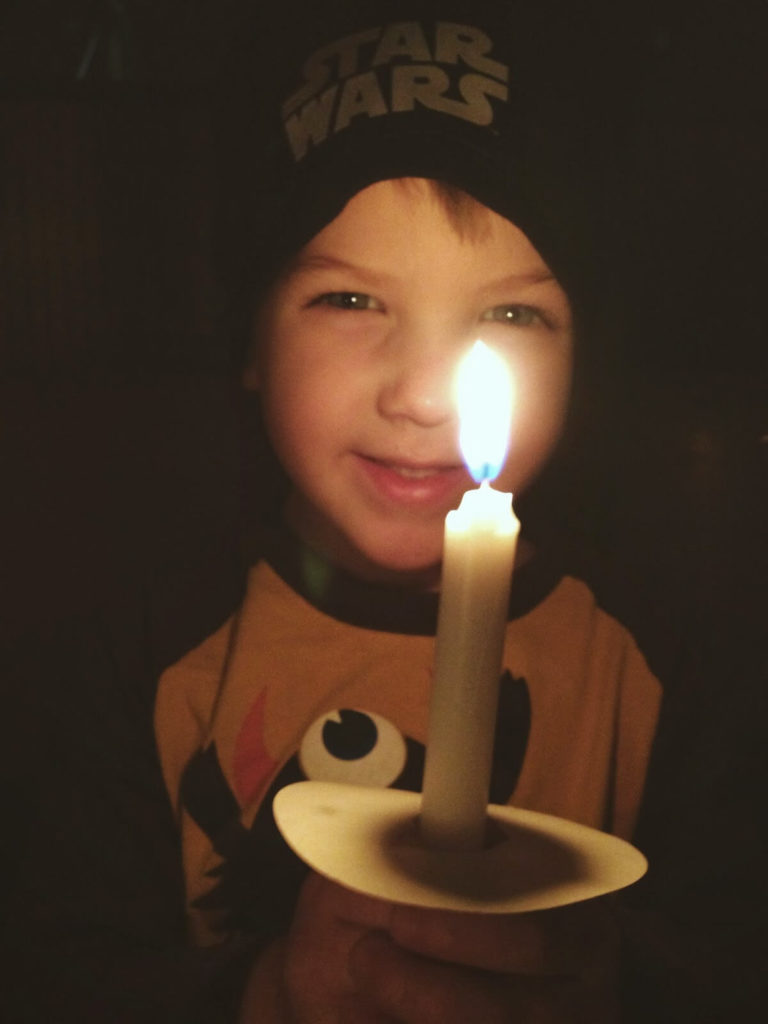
x=414, y=473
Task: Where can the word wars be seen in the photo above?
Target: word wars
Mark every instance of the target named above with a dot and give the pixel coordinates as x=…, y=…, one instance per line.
x=394, y=69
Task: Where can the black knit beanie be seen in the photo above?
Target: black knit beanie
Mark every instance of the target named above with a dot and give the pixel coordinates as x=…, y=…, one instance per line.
x=502, y=99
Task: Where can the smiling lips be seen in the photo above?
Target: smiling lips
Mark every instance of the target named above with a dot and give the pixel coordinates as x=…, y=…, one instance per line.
x=422, y=484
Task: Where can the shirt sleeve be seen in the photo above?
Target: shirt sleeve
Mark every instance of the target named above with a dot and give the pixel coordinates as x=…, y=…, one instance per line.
x=96, y=920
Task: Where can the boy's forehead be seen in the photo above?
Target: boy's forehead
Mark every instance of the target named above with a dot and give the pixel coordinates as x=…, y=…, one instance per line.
x=394, y=201
x=386, y=225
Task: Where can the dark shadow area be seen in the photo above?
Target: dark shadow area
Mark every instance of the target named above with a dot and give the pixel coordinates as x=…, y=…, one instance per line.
x=522, y=861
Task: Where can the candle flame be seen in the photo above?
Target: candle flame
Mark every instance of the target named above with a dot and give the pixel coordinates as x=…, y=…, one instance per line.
x=484, y=391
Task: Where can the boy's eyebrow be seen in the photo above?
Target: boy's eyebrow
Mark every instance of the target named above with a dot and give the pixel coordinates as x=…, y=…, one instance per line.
x=322, y=261
x=533, y=277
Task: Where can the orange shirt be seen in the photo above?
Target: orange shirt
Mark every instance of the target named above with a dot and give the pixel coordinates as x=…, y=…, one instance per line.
x=286, y=690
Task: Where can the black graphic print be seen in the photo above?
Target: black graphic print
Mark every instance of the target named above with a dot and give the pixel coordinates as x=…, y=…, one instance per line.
x=255, y=886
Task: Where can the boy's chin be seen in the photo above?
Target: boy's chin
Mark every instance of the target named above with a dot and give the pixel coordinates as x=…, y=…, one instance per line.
x=398, y=568
x=420, y=578
x=390, y=555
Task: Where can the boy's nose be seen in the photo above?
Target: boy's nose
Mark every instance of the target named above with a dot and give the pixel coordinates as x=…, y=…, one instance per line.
x=418, y=384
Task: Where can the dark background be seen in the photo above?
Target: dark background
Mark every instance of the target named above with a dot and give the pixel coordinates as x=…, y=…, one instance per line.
x=118, y=419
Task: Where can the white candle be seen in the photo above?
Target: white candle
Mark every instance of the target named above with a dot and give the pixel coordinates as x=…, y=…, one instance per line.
x=479, y=551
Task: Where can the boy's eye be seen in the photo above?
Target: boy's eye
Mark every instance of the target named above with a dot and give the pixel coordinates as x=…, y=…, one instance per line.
x=514, y=315
x=347, y=300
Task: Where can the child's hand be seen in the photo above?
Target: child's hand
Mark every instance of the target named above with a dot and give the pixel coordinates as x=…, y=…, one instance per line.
x=435, y=967
x=350, y=959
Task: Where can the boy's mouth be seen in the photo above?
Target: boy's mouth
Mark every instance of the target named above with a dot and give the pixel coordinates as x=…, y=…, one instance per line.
x=412, y=472
x=416, y=471
x=419, y=483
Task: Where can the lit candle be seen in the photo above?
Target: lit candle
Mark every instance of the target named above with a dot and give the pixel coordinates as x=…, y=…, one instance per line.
x=479, y=551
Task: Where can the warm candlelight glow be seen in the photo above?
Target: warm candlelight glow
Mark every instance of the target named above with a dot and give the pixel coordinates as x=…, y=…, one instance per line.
x=484, y=398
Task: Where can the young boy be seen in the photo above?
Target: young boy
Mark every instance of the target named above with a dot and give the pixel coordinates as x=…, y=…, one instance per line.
x=354, y=358
x=409, y=213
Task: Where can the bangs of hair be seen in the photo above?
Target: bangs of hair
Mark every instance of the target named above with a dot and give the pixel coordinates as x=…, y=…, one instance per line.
x=466, y=215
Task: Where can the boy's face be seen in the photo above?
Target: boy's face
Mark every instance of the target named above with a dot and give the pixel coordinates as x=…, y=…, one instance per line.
x=357, y=352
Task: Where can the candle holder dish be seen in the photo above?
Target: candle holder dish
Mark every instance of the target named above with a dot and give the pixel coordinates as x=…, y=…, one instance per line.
x=369, y=840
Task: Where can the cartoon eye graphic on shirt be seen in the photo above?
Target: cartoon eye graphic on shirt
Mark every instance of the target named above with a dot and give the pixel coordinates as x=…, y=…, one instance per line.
x=353, y=746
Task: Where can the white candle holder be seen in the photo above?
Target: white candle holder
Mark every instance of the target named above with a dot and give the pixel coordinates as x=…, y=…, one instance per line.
x=369, y=840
